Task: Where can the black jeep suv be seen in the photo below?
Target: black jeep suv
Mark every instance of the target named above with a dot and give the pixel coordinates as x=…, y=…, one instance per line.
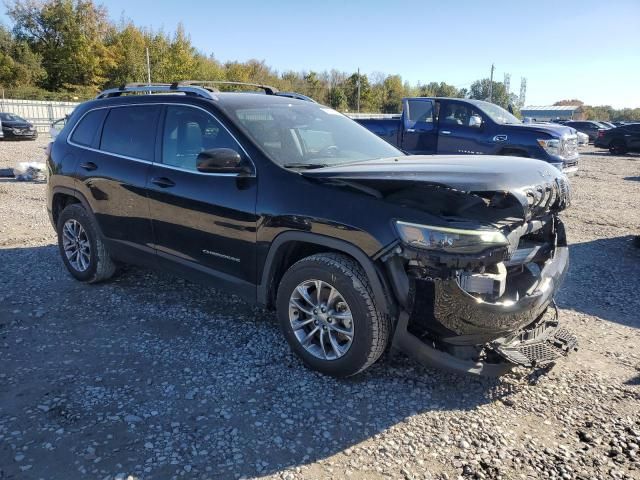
x=289, y=204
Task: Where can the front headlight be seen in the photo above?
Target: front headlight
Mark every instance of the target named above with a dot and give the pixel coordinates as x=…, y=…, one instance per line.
x=552, y=146
x=450, y=240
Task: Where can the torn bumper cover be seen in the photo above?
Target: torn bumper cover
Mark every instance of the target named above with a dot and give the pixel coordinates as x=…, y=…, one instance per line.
x=452, y=329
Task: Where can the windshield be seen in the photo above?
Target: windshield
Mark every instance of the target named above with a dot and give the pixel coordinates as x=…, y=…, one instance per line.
x=498, y=114
x=310, y=135
x=10, y=117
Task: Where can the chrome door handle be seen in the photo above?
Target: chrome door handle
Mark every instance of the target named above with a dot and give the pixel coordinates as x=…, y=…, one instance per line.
x=445, y=132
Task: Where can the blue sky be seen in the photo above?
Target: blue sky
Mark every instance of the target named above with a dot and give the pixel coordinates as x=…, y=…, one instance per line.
x=566, y=49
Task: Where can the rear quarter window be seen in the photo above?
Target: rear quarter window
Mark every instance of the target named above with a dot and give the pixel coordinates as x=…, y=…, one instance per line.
x=130, y=131
x=86, y=132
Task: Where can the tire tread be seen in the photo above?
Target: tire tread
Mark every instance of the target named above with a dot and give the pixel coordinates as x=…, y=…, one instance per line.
x=380, y=322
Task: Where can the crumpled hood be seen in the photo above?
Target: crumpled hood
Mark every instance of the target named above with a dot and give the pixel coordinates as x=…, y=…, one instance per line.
x=462, y=172
x=537, y=185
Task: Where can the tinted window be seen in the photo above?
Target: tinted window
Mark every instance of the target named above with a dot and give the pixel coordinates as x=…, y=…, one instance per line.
x=189, y=131
x=130, y=131
x=459, y=115
x=86, y=131
x=420, y=114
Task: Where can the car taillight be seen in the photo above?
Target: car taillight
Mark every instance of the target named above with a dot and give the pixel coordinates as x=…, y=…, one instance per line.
x=600, y=133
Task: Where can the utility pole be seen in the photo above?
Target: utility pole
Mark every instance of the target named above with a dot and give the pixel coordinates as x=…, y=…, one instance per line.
x=148, y=67
x=358, y=84
x=491, y=85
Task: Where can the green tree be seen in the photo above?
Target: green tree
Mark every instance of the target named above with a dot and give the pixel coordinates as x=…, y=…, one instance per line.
x=442, y=89
x=350, y=88
x=69, y=35
x=128, y=47
x=480, y=91
x=393, y=92
x=19, y=66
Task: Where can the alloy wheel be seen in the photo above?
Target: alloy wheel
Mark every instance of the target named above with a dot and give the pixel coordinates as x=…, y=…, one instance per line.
x=321, y=320
x=76, y=245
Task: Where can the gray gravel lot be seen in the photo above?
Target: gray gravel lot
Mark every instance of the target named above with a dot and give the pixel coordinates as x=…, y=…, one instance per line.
x=149, y=376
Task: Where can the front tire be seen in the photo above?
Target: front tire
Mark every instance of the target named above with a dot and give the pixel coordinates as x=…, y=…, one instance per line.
x=82, y=249
x=327, y=313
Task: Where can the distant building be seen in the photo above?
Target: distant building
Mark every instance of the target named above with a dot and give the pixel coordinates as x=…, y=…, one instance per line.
x=551, y=112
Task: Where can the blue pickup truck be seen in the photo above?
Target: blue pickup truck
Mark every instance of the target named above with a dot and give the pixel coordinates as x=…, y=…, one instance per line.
x=459, y=125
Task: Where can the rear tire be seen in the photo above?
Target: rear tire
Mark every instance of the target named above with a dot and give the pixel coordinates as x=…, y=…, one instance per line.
x=82, y=249
x=329, y=351
x=618, y=147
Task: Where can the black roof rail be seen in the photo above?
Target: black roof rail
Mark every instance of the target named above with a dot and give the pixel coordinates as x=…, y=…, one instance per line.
x=200, y=88
x=195, y=90
x=295, y=95
x=268, y=89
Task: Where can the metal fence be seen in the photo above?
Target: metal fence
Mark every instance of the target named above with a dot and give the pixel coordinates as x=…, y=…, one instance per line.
x=40, y=113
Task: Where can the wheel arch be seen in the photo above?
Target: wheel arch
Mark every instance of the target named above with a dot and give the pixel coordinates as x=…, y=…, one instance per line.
x=64, y=196
x=514, y=151
x=289, y=247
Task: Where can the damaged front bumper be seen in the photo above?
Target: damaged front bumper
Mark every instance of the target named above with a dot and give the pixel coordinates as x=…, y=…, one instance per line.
x=445, y=326
x=539, y=344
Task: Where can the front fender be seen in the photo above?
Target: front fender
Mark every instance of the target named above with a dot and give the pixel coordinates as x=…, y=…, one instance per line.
x=279, y=245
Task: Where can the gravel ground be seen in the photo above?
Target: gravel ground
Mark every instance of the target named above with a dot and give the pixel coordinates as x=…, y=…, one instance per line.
x=152, y=377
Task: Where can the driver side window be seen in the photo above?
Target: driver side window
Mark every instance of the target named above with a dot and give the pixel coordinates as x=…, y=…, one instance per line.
x=458, y=115
x=189, y=131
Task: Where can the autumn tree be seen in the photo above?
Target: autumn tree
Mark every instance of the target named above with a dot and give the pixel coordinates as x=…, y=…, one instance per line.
x=69, y=35
x=480, y=91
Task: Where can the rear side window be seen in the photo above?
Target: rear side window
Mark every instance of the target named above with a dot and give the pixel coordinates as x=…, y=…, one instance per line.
x=130, y=131
x=419, y=114
x=86, y=132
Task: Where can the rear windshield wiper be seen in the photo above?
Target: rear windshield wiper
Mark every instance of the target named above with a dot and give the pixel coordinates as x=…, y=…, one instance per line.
x=307, y=166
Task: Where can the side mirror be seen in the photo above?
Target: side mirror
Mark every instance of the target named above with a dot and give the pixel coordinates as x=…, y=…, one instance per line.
x=221, y=160
x=475, y=121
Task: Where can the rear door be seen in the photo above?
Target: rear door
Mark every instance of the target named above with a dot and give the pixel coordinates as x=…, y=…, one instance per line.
x=462, y=129
x=204, y=224
x=419, y=133
x=115, y=147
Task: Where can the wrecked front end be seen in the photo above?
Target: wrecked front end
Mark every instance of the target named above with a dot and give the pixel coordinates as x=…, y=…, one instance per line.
x=477, y=294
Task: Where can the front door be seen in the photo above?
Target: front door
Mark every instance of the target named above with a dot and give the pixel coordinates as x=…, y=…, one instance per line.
x=203, y=223
x=461, y=129
x=419, y=133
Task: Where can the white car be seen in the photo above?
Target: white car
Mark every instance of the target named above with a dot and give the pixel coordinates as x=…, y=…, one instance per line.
x=583, y=138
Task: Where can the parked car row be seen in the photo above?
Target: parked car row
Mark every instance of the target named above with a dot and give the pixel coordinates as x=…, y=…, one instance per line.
x=620, y=140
